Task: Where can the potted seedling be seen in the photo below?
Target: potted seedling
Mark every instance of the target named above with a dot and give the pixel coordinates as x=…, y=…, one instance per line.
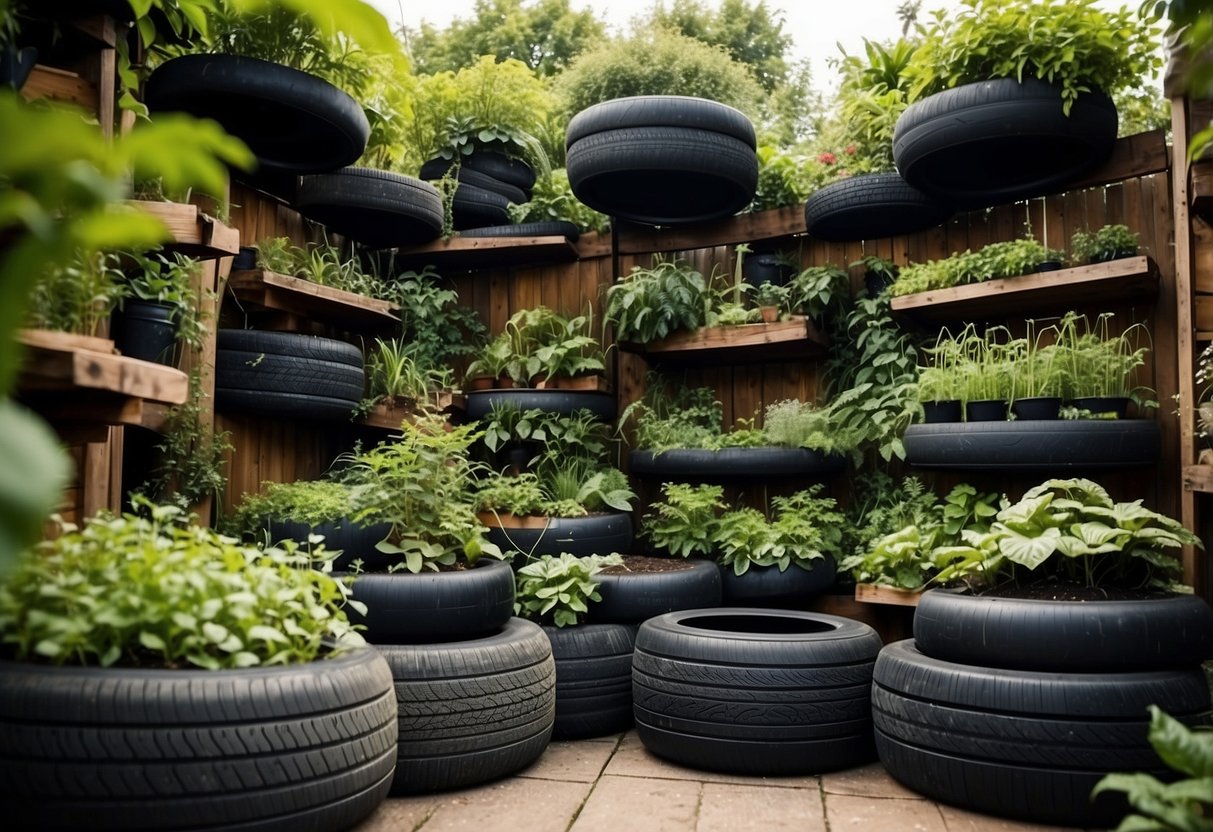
x=1102, y=366
x=985, y=376
x=939, y=383
x=1038, y=375
x=77, y=300
x=1111, y=242
x=159, y=307
x=771, y=300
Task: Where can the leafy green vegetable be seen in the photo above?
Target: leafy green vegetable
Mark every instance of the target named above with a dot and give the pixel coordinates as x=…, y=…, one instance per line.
x=560, y=589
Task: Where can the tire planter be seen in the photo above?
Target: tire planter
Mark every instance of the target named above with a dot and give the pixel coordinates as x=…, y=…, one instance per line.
x=146, y=330
x=472, y=711
x=292, y=121
x=437, y=168
x=763, y=586
x=556, y=228
x=593, y=679
x=503, y=168
x=287, y=374
x=1048, y=447
x=662, y=160
x=634, y=597
x=994, y=142
x=596, y=534
x=750, y=691
x=1022, y=744
x=377, y=208
x=430, y=607
x=355, y=542
x=871, y=206
x=1089, y=636
x=474, y=207
x=308, y=746
x=734, y=463
x=480, y=402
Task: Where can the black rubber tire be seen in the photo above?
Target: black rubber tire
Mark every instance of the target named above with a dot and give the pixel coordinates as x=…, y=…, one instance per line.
x=293, y=747
x=354, y=541
x=474, y=207
x=472, y=711
x=663, y=175
x=596, y=534
x=661, y=111
x=871, y=206
x=593, y=679
x=502, y=168
x=766, y=586
x=565, y=402
x=635, y=597
x=291, y=120
x=556, y=228
x=295, y=406
x=1064, y=636
x=431, y=607
x=289, y=344
x=1054, y=447
x=437, y=168
x=754, y=691
x=266, y=372
x=993, y=142
x=1017, y=743
x=733, y=463
x=377, y=208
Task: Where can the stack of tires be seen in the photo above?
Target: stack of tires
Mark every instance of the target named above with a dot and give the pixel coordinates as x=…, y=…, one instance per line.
x=1017, y=708
x=487, y=183
x=662, y=159
x=475, y=687
x=288, y=375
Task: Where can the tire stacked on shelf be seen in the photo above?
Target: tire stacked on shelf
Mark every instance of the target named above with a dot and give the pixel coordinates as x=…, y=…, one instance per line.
x=377, y=208
x=285, y=374
x=1017, y=708
x=476, y=687
x=485, y=188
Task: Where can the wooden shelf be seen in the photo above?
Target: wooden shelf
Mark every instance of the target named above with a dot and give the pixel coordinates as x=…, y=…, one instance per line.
x=193, y=233
x=472, y=253
x=1099, y=283
x=1198, y=478
x=798, y=338
x=69, y=384
x=877, y=594
x=295, y=296
x=389, y=418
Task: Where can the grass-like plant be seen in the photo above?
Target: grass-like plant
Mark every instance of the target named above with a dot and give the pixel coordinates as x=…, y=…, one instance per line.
x=395, y=373
x=76, y=297
x=558, y=590
x=140, y=591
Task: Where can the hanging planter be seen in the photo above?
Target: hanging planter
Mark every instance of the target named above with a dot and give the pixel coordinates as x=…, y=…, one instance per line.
x=871, y=206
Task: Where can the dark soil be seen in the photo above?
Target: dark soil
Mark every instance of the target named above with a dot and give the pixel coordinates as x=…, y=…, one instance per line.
x=643, y=563
x=1054, y=591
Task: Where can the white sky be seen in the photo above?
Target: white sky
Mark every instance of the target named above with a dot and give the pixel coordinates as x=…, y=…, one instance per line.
x=816, y=26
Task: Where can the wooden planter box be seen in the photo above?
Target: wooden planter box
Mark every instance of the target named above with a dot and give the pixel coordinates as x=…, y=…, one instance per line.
x=877, y=594
x=793, y=339
x=193, y=233
x=299, y=298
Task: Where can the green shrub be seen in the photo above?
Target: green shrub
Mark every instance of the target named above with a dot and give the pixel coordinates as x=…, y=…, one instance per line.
x=559, y=590
x=552, y=200
x=308, y=502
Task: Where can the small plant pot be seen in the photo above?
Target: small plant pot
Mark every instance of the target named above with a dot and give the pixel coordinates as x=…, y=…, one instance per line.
x=986, y=410
x=1036, y=408
x=876, y=283
x=1098, y=405
x=1117, y=254
x=146, y=330
x=481, y=383
x=770, y=314
x=1049, y=266
x=244, y=260
x=943, y=411
x=16, y=66
x=504, y=383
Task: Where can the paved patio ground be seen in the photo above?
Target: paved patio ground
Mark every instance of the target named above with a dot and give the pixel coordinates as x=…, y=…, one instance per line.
x=613, y=784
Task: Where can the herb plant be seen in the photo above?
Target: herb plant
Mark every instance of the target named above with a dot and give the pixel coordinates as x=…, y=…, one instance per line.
x=191, y=462
x=805, y=528
x=686, y=520
x=76, y=297
x=311, y=503
x=1106, y=243
x=649, y=304
x=552, y=200
x=140, y=591
x=171, y=282
x=559, y=590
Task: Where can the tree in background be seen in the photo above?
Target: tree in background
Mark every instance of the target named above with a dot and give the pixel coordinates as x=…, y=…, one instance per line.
x=545, y=35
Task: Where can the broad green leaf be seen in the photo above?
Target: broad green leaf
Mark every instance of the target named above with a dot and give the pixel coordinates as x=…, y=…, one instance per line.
x=1028, y=550
x=32, y=478
x=1180, y=747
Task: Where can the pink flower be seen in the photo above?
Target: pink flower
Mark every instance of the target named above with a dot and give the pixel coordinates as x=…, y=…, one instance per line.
x=851, y=149
x=827, y=158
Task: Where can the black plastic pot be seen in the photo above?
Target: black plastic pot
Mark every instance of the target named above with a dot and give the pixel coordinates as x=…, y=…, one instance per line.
x=1036, y=407
x=1049, y=266
x=246, y=259
x=987, y=410
x=1104, y=404
x=944, y=411
x=145, y=329
x=766, y=267
x=16, y=66
x=876, y=283
x=1118, y=254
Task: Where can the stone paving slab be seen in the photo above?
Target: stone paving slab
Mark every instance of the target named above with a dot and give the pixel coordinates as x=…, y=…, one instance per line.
x=632, y=760
x=728, y=807
x=885, y=814
x=640, y=805
x=577, y=762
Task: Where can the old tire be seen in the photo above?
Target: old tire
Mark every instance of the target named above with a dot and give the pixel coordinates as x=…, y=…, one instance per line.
x=292, y=121
x=661, y=111
x=564, y=402
x=595, y=534
x=635, y=597
x=354, y=541
x=1064, y=636
x=593, y=679
x=377, y=208
x=1021, y=744
x=502, y=168
x=663, y=175
x=869, y=207
x=733, y=463
x=474, y=207
x=555, y=228
x=993, y=142
x=437, y=168
x=751, y=691
x=1048, y=447
x=472, y=711
x=407, y=608
x=766, y=586
x=269, y=748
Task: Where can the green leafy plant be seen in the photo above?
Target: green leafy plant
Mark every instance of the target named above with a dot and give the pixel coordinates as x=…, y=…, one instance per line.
x=791, y=423
x=769, y=294
x=780, y=180
x=685, y=521
x=151, y=590
x=77, y=297
x=539, y=344
x=649, y=304
x=421, y=483
x=872, y=94
x=1074, y=44
x=191, y=464
x=552, y=200
x=1106, y=243
x=521, y=495
x=157, y=278
x=818, y=290
x=683, y=417
x=432, y=322
x=806, y=528
x=394, y=374
x=569, y=489
x=310, y=502
x=559, y=590
x=1186, y=804
x=996, y=260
